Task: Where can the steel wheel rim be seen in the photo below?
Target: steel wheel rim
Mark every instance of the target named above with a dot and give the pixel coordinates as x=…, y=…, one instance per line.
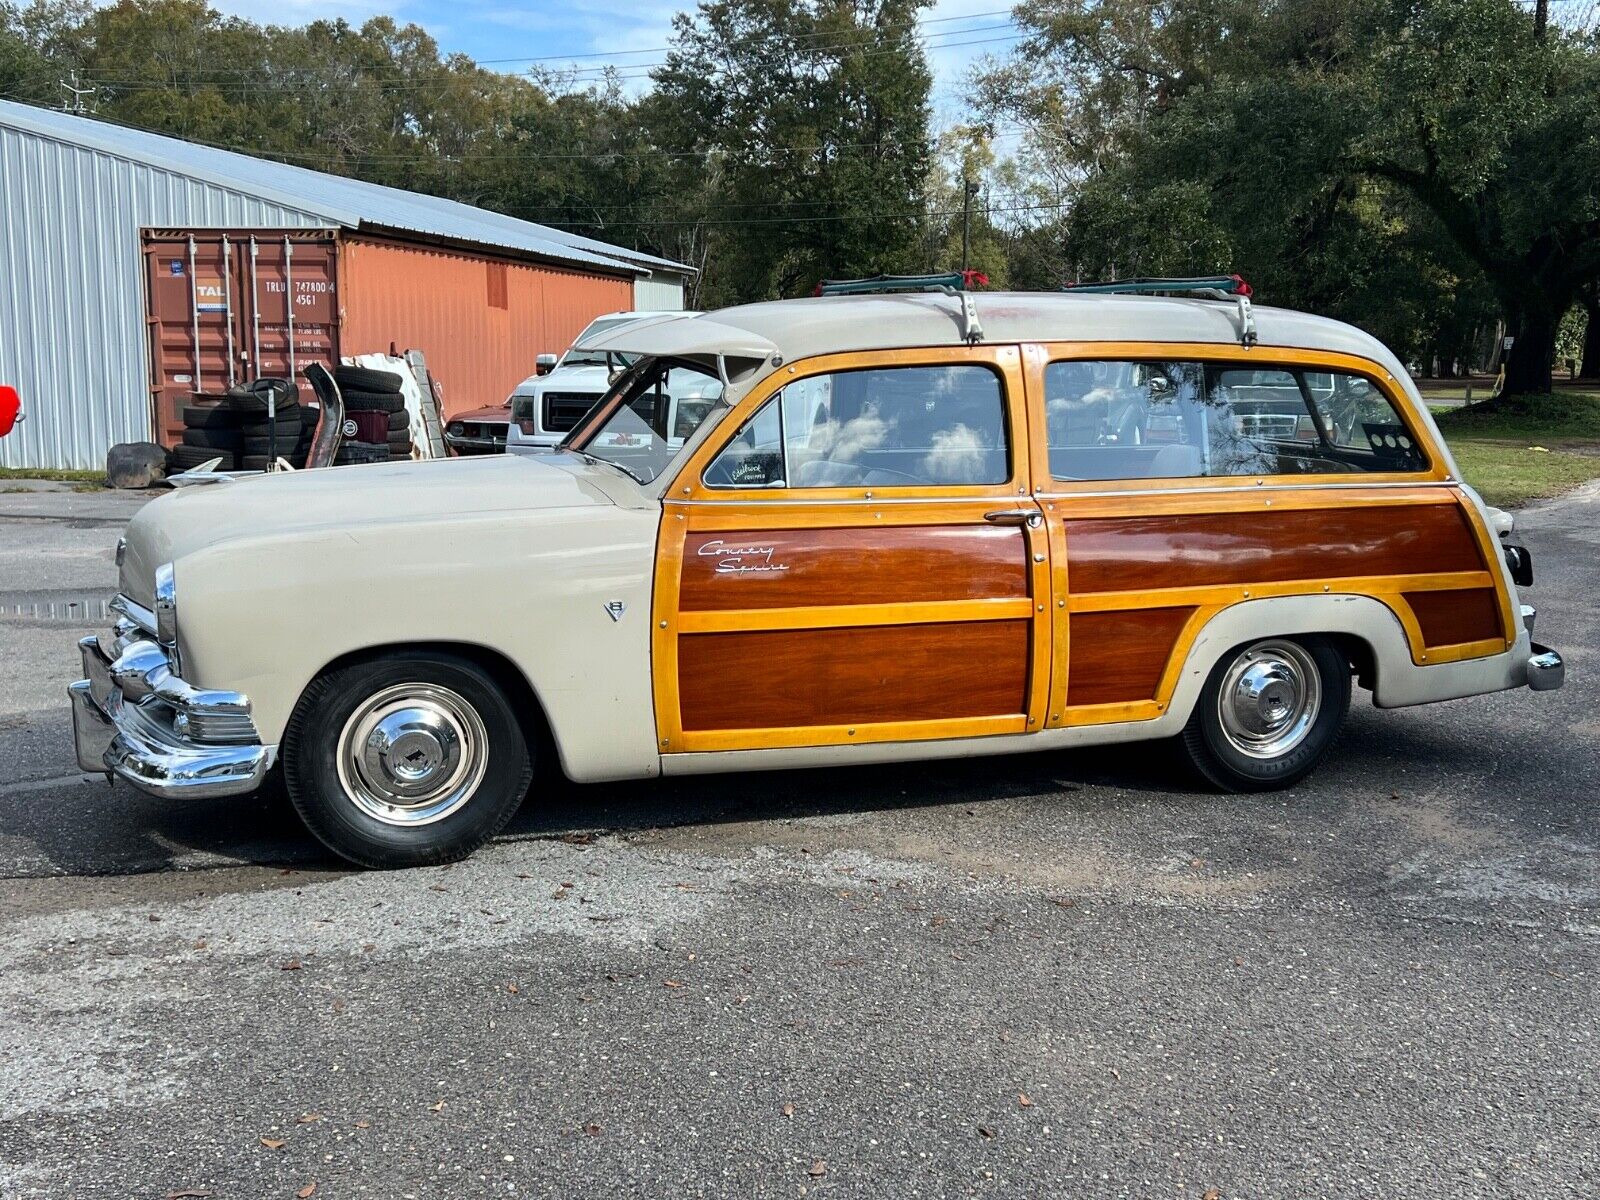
x=412, y=754
x=1269, y=699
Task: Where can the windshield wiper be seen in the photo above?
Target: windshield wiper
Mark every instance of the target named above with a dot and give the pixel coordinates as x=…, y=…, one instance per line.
x=595, y=458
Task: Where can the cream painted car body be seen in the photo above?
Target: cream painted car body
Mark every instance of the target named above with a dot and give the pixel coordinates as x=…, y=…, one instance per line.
x=550, y=563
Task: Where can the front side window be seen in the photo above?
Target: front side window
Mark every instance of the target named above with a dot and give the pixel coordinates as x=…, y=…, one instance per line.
x=1178, y=420
x=883, y=427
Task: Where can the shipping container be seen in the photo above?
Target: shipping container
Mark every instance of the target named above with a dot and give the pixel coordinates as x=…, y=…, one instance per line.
x=219, y=312
x=480, y=319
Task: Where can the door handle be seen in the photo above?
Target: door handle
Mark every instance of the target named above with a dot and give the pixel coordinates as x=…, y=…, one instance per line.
x=1031, y=517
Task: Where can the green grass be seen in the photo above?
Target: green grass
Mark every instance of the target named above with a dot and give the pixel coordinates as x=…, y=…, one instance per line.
x=1519, y=450
x=55, y=476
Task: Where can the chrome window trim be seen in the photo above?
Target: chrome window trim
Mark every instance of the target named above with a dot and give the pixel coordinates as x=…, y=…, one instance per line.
x=968, y=494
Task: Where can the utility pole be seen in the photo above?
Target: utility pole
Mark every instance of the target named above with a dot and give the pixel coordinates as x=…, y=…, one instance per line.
x=1541, y=18
x=75, y=104
x=969, y=189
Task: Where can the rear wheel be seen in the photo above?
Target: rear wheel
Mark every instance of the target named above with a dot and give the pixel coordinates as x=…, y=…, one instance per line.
x=405, y=760
x=1268, y=713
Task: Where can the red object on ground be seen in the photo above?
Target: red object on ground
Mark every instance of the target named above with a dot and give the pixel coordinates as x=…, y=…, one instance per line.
x=370, y=426
x=10, y=406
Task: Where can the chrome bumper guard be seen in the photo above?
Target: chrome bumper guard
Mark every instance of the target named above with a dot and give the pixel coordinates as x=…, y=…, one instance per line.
x=132, y=717
x=1546, y=671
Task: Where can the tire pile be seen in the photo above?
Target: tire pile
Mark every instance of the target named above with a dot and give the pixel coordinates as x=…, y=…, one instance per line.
x=368, y=391
x=237, y=430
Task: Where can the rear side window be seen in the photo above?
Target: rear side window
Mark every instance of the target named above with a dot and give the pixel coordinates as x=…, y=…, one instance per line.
x=887, y=427
x=1178, y=420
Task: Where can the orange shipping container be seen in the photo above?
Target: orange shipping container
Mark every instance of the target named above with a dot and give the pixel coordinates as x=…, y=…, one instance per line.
x=479, y=319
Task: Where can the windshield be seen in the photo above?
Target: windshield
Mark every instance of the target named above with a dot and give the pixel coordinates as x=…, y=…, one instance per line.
x=594, y=358
x=650, y=412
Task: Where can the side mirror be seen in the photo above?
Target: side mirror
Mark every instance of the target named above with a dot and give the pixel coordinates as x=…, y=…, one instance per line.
x=544, y=364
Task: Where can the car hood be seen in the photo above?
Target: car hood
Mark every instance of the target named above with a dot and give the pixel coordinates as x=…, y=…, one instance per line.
x=578, y=379
x=303, y=502
x=487, y=415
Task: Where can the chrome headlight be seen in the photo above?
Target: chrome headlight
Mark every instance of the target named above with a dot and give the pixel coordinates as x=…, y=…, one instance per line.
x=167, y=613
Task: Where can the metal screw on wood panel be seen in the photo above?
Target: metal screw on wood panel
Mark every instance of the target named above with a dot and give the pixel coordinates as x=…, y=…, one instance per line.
x=1269, y=503
x=663, y=624
x=663, y=741
x=1038, y=558
x=686, y=490
x=1325, y=587
x=1061, y=603
x=869, y=495
x=850, y=733
x=1247, y=595
x=1041, y=608
x=1424, y=658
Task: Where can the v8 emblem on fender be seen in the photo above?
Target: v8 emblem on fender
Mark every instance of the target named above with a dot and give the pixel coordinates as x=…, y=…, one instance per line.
x=616, y=608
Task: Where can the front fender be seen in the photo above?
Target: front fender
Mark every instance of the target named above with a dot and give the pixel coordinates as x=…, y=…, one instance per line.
x=268, y=614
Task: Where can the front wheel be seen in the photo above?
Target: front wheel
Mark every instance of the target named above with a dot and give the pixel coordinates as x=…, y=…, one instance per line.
x=406, y=760
x=1268, y=713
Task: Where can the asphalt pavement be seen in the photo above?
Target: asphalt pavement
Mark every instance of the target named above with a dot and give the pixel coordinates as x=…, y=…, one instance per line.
x=1062, y=975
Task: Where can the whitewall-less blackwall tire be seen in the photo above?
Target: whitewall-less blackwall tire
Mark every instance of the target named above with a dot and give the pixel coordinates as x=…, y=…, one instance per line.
x=405, y=760
x=1268, y=713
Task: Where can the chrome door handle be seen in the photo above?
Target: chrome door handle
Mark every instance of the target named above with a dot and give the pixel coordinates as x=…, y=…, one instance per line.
x=1031, y=517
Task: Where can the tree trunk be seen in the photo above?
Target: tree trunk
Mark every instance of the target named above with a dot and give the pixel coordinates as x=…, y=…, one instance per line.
x=1591, y=339
x=1533, y=353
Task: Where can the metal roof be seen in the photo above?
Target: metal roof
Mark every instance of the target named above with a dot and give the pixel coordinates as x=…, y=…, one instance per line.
x=351, y=203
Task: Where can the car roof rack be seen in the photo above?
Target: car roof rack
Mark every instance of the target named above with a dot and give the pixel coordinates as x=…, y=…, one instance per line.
x=958, y=284
x=1204, y=287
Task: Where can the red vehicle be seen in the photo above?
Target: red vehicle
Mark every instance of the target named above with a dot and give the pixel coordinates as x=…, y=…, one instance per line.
x=10, y=409
x=481, y=431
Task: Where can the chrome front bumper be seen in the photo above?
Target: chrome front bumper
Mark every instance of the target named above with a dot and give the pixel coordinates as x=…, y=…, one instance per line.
x=135, y=719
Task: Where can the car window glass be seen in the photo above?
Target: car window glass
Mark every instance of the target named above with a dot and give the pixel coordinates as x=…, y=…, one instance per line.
x=1176, y=420
x=663, y=405
x=885, y=427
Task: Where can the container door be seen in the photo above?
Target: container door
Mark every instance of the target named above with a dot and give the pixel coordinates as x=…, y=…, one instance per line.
x=220, y=312
x=857, y=559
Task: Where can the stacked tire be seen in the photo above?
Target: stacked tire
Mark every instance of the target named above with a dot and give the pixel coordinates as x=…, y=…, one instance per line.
x=370, y=391
x=209, y=431
x=288, y=430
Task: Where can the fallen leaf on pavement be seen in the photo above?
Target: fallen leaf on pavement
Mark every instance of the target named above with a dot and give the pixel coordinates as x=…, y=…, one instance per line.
x=437, y=887
x=788, y=1110
x=818, y=1169
x=273, y=1143
x=670, y=983
x=187, y=1192
x=307, y=1191
x=363, y=1124
x=985, y=1131
x=593, y=1129
x=292, y=965
x=1211, y=1194
x=439, y=1107
x=200, y=944
x=308, y=1118
x=1023, y=1101
x=512, y=988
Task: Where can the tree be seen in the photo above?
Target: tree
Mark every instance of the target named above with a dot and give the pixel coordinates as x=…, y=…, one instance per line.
x=812, y=115
x=1442, y=135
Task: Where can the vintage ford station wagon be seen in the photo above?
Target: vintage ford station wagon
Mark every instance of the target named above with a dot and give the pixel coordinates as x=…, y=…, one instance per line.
x=907, y=526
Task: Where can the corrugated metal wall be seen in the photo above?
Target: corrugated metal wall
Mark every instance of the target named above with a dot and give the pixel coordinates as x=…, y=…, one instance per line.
x=479, y=320
x=72, y=333
x=659, y=293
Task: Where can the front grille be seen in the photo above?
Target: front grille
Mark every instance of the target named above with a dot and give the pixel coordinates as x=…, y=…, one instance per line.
x=563, y=410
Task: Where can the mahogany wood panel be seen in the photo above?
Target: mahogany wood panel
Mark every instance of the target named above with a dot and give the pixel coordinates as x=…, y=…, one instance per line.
x=784, y=568
x=1120, y=656
x=801, y=677
x=1449, y=618
x=1125, y=554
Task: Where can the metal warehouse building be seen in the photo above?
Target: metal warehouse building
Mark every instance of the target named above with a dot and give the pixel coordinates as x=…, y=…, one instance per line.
x=137, y=269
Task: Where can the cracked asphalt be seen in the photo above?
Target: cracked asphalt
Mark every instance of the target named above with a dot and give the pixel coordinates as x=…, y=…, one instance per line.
x=1054, y=975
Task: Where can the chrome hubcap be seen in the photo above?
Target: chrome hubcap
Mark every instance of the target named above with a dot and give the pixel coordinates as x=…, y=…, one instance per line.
x=412, y=754
x=1269, y=699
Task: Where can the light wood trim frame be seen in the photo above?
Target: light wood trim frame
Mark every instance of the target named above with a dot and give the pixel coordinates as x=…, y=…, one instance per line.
x=691, y=507
x=1039, y=355
x=1004, y=360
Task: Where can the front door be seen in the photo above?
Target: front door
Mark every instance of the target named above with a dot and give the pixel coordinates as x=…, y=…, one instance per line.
x=854, y=557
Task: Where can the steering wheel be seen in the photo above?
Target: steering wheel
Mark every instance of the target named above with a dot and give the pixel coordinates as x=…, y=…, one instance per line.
x=912, y=479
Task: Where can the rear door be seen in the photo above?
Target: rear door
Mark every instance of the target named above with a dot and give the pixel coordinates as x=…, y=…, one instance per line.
x=856, y=558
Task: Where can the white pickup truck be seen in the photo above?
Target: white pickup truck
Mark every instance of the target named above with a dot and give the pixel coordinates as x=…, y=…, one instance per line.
x=546, y=407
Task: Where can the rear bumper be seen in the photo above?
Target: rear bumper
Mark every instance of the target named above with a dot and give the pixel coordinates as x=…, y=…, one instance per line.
x=139, y=741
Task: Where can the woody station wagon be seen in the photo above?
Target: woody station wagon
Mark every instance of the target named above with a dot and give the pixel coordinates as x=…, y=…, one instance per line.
x=918, y=525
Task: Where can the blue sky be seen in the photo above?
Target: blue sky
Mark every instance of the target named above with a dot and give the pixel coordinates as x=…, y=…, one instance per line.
x=628, y=33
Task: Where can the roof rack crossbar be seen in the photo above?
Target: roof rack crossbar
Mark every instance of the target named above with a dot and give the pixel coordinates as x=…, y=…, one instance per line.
x=1206, y=287
x=953, y=283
